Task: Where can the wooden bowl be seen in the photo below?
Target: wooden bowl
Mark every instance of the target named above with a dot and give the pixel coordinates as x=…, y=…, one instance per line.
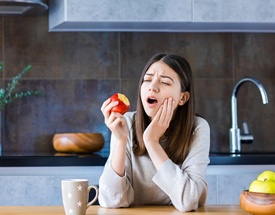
x=257, y=203
x=78, y=142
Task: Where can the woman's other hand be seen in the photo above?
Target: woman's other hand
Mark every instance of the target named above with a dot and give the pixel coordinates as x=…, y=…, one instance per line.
x=155, y=131
x=118, y=126
x=114, y=121
x=160, y=122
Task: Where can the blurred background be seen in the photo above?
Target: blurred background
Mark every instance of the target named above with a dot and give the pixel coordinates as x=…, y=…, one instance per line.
x=77, y=71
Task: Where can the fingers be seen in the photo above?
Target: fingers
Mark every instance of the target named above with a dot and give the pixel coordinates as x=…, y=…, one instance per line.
x=113, y=116
x=114, y=120
x=118, y=126
x=107, y=107
x=104, y=105
x=165, y=112
x=169, y=110
x=160, y=122
x=107, y=101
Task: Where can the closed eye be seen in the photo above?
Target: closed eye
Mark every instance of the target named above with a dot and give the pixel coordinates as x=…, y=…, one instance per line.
x=146, y=80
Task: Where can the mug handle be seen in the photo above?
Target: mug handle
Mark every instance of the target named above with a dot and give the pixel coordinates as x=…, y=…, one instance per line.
x=96, y=195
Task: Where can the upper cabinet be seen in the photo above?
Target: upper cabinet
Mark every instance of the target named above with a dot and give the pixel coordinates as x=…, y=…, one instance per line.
x=162, y=15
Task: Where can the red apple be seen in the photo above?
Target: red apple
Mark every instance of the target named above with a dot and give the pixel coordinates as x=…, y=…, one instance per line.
x=123, y=103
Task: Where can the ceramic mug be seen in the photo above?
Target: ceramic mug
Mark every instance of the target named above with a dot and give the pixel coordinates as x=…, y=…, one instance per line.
x=75, y=196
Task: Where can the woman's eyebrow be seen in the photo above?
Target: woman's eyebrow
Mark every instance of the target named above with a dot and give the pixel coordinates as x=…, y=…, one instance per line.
x=162, y=76
x=149, y=74
x=165, y=76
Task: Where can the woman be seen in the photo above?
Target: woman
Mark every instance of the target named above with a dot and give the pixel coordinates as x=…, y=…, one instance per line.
x=159, y=154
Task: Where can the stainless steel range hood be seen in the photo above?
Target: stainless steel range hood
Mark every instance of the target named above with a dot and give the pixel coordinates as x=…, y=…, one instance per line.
x=22, y=7
x=162, y=15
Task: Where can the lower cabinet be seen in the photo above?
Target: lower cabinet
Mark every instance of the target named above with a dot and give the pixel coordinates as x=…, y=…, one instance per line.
x=226, y=182
x=42, y=185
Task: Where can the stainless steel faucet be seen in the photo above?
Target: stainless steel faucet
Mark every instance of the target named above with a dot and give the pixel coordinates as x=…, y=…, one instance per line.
x=235, y=137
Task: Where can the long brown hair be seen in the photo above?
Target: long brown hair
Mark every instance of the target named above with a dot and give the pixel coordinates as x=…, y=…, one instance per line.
x=179, y=133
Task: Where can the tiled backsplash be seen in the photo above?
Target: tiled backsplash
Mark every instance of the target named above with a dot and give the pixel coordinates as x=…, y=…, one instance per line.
x=77, y=71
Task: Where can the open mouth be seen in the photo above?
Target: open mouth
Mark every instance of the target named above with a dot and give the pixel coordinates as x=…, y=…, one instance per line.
x=152, y=101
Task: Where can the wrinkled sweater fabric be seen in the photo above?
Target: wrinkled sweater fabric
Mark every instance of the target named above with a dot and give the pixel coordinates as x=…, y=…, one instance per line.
x=183, y=186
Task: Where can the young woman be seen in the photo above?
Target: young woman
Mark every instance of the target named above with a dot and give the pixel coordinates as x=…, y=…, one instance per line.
x=159, y=154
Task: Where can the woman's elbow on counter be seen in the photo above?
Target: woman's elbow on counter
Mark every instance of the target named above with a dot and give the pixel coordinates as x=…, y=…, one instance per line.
x=191, y=206
x=191, y=201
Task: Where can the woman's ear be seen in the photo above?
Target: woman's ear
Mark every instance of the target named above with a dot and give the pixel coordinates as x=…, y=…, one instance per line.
x=184, y=98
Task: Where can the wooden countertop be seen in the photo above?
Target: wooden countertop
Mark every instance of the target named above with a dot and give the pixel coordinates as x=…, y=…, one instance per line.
x=97, y=210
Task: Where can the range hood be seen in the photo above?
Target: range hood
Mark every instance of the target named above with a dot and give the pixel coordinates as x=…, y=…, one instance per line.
x=162, y=15
x=22, y=7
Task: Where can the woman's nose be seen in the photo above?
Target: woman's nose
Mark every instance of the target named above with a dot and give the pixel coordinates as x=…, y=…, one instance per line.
x=153, y=87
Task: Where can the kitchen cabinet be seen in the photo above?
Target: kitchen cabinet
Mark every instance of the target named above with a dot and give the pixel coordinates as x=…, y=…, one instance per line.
x=162, y=16
x=42, y=185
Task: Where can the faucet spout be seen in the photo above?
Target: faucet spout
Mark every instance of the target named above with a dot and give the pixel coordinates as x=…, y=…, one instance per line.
x=234, y=136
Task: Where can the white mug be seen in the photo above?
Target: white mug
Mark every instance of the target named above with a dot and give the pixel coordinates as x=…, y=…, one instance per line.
x=75, y=196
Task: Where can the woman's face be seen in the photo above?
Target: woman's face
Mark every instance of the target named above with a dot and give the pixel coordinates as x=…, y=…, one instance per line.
x=160, y=82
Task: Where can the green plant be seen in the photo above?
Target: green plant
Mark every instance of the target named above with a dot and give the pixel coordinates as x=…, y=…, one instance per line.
x=7, y=95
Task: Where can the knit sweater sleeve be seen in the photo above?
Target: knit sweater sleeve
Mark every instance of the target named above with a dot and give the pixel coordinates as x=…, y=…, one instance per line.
x=185, y=184
x=116, y=191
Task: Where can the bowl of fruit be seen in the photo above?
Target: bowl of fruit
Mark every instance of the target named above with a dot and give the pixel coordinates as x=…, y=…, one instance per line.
x=259, y=199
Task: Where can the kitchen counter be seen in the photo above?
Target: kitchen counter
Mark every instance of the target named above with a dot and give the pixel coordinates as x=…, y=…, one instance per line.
x=60, y=159
x=246, y=158
x=93, y=210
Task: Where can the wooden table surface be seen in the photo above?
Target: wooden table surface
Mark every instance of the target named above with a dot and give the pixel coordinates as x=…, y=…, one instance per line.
x=97, y=210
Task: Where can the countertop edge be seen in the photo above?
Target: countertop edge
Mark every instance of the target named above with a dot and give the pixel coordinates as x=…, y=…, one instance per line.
x=35, y=161
x=80, y=160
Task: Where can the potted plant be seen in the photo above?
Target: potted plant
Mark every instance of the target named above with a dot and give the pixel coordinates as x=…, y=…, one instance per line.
x=7, y=95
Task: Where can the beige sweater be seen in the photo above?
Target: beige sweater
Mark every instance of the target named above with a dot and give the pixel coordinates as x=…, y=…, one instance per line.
x=184, y=185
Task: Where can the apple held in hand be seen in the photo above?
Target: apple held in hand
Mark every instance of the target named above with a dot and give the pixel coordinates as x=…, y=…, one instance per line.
x=123, y=103
x=265, y=183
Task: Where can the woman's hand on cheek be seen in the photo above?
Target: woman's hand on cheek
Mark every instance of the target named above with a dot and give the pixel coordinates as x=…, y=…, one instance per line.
x=160, y=122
